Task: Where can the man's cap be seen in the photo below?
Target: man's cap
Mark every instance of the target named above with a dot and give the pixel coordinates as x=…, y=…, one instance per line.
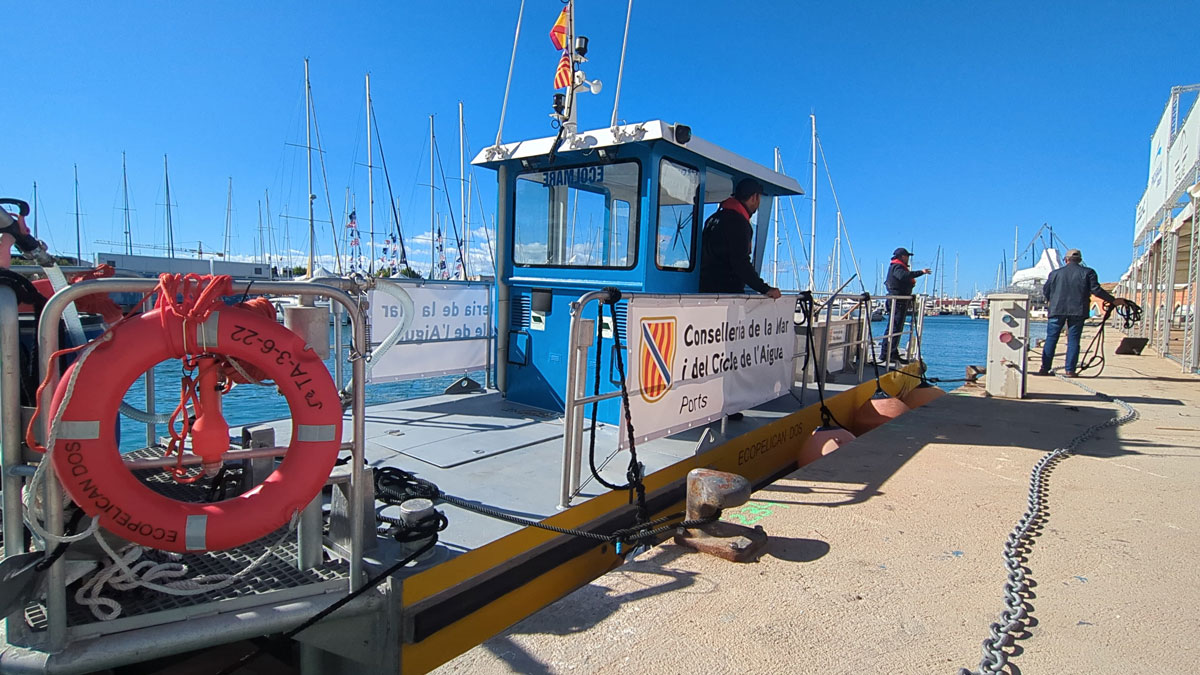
x=901, y=251
x=1075, y=254
x=747, y=187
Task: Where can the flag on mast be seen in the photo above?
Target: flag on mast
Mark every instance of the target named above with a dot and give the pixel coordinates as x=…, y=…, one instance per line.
x=558, y=34
x=441, y=250
x=562, y=76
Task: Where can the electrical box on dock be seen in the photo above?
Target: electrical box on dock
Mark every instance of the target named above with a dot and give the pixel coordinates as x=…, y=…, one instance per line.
x=1008, y=344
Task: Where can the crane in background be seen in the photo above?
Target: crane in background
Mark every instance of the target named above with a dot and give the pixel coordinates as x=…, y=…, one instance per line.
x=200, y=252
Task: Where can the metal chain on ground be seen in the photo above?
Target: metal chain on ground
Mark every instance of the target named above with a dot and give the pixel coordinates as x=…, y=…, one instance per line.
x=1020, y=541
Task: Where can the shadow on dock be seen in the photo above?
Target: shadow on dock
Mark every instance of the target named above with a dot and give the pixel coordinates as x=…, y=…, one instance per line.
x=858, y=472
x=650, y=575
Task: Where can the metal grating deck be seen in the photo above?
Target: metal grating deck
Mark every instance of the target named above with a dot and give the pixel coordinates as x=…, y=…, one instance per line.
x=275, y=574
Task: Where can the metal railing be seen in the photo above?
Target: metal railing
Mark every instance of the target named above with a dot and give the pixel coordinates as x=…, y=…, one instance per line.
x=857, y=339
x=15, y=467
x=840, y=310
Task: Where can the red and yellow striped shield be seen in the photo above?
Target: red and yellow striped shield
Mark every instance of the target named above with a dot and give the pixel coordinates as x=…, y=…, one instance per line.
x=657, y=357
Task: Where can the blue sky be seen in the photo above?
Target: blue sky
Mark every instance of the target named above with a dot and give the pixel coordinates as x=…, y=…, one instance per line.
x=944, y=124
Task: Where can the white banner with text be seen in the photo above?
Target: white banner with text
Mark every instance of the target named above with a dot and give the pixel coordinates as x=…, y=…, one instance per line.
x=434, y=328
x=694, y=360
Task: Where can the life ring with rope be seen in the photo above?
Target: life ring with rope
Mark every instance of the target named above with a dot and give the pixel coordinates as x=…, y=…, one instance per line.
x=190, y=322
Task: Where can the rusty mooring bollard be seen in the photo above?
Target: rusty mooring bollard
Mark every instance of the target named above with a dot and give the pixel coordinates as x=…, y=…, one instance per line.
x=708, y=492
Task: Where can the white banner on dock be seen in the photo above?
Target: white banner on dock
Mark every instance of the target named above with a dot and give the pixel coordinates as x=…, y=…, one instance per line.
x=443, y=329
x=694, y=360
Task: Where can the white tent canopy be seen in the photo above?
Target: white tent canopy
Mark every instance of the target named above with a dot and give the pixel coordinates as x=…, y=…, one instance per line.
x=1033, y=277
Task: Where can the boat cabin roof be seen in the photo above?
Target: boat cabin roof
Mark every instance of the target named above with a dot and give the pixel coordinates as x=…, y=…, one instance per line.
x=774, y=183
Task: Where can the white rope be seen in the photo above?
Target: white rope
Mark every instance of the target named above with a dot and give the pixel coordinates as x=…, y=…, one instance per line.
x=35, y=490
x=250, y=379
x=123, y=575
x=407, y=315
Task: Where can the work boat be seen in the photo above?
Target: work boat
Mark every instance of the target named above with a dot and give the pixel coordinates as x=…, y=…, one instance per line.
x=597, y=387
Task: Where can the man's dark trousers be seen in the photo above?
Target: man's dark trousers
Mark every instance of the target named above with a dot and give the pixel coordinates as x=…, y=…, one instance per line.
x=1054, y=326
x=899, y=309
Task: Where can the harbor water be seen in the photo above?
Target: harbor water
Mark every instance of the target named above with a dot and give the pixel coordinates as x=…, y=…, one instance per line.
x=951, y=343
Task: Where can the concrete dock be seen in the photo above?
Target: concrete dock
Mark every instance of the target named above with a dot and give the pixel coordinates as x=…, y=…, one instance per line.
x=886, y=555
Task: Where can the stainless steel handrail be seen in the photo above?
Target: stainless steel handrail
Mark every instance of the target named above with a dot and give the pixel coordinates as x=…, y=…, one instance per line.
x=10, y=436
x=48, y=344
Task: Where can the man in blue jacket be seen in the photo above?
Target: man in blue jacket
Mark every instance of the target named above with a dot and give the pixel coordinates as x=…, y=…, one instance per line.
x=900, y=281
x=1068, y=290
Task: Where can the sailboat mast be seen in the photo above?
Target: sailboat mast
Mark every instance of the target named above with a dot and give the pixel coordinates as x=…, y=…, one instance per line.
x=170, y=228
x=261, y=249
x=287, y=240
x=837, y=248
x=228, y=219
x=78, y=244
x=462, y=190
x=942, y=285
x=350, y=258
x=270, y=232
x=432, y=203
x=125, y=192
x=1016, y=243
x=35, y=210
x=812, y=245
x=775, y=248
x=370, y=181
x=312, y=228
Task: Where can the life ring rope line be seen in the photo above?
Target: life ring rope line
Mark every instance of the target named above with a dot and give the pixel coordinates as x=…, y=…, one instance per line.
x=36, y=489
x=126, y=573
x=187, y=395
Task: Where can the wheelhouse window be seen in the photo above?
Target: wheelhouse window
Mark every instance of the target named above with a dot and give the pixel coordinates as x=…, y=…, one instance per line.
x=678, y=197
x=718, y=186
x=582, y=216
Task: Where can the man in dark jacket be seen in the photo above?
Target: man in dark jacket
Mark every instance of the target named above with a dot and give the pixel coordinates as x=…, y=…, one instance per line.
x=900, y=281
x=1068, y=290
x=725, y=265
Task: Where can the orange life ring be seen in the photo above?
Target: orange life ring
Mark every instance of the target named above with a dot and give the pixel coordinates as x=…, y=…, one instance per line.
x=89, y=463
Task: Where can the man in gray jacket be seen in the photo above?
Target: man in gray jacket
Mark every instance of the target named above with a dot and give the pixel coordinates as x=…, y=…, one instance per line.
x=1068, y=290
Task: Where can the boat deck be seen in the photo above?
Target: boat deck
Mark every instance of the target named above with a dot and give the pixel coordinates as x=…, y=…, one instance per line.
x=886, y=555
x=483, y=448
x=477, y=446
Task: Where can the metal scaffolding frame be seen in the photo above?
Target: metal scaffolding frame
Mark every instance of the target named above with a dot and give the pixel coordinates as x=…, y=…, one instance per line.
x=1164, y=274
x=1191, y=346
x=1166, y=262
